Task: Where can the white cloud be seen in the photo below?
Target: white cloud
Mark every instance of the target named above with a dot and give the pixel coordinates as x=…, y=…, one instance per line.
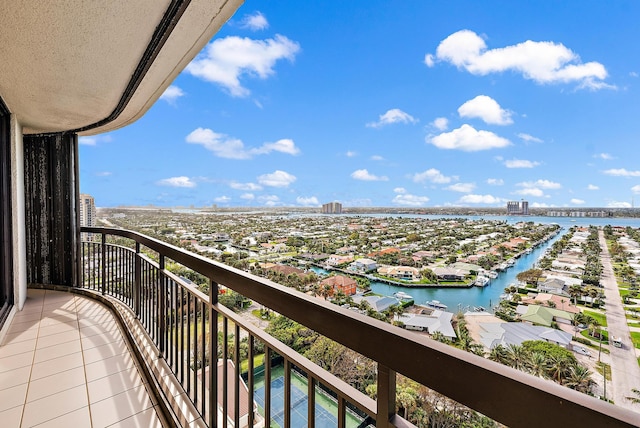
x=171, y=94
x=636, y=189
x=269, y=200
x=248, y=196
x=377, y=158
x=441, y=123
x=351, y=154
x=540, y=205
x=466, y=138
x=462, y=187
x=103, y=174
x=542, y=62
x=520, y=163
x=592, y=187
x=181, y=181
x=255, y=22
x=495, y=181
x=277, y=179
x=94, y=140
x=311, y=201
x=245, y=186
x=400, y=190
x=633, y=74
x=364, y=175
x=392, y=116
x=429, y=59
x=532, y=191
x=543, y=184
x=529, y=138
x=605, y=156
x=225, y=60
x=487, y=109
x=615, y=204
x=576, y=201
x=622, y=172
x=480, y=199
x=432, y=175
x=222, y=199
x=232, y=148
x=406, y=199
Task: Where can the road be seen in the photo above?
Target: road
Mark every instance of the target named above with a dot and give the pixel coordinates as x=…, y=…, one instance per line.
x=625, y=372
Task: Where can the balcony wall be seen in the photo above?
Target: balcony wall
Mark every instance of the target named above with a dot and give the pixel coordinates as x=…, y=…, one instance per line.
x=177, y=318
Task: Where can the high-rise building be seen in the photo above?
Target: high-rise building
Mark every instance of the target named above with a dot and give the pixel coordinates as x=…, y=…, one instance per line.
x=87, y=213
x=518, y=208
x=332, y=208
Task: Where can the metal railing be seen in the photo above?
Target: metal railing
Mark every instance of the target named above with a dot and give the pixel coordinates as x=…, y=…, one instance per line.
x=178, y=317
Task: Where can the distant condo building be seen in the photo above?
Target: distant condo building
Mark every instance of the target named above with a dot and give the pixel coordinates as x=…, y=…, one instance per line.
x=332, y=208
x=87, y=213
x=518, y=208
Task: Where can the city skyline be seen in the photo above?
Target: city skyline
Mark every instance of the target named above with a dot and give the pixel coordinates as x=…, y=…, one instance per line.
x=380, y=104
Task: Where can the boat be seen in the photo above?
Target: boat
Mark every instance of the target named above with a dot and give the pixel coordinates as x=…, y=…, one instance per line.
x=436, y=304
x=479, y=309
x=481, y=281
x=402, y=296
x=492, y=274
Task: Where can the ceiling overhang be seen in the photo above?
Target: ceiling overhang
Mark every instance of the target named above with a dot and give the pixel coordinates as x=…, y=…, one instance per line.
x=91, y=66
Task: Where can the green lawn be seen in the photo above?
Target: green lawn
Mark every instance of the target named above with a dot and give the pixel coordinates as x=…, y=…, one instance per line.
x=605, y=336
x=601, y=318
x=635, y=338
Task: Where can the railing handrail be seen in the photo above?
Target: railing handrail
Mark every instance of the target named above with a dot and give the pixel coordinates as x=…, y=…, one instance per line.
x=505, y=394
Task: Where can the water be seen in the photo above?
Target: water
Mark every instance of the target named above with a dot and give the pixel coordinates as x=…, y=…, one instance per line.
x=467, y=298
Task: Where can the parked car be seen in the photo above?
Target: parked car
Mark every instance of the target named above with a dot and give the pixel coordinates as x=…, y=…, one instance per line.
x=581, y=350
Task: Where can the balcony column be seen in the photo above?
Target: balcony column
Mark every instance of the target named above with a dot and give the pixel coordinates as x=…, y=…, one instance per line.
x=51, y=195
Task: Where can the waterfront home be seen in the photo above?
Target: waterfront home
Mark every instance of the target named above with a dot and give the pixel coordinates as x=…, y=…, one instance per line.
x=552, y=300
x=377, y=303
x=337, y=260
x=449, y=274
x=285, y=269
x=406, y=273
x=340, y=283
x=363, y=265
x=435, y=321
x=557, y=284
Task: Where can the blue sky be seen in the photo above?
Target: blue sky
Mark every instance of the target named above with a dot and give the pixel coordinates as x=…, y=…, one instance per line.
x=391, y=104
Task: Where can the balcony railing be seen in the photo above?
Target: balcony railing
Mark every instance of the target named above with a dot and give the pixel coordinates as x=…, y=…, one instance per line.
x=183, y=322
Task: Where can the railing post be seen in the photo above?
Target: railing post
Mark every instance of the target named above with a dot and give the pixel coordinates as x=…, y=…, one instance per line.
x=104, y=264
x=386, y=396
x=137, y=282
x=213, y=355
x=162, y=310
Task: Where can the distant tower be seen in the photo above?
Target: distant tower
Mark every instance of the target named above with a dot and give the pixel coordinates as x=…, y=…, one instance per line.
x=525, y=207
x=87, y=214
x=332, y=208
x=515, y=208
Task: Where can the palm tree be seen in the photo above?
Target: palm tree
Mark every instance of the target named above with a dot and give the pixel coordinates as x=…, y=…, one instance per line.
x=557, y=366
x=634, y=400
x=537, y=364
x=499, y=354
x=517, y=357
x=579, y=378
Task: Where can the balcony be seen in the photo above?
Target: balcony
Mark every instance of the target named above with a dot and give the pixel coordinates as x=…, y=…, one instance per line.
x=168, y=323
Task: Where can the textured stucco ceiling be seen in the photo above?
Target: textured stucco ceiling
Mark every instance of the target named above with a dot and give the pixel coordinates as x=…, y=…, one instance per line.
x=65, y=65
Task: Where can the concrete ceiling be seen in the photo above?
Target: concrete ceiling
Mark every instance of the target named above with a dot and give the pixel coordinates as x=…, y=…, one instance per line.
x=66, y=65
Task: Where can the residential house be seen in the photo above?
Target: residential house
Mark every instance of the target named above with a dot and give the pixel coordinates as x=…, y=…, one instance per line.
x=340, y=283
x=337, y=260
x=436, y=321
x=505, y=334
x=449, y=274
x=363, y=265
x=406, y=273
x=543, y=315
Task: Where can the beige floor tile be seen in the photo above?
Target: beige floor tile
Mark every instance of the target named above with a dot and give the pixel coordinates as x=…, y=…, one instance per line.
x=101, y=339
x=105, y=351
x=12, y=397
x=19, y=336
x=114, y=384
x=11, y=417
x=31, y=316
x=58, y=328
x=93, y=329
x=109, y=366
x=56, y=351
x=14, y=377
x=56, y=365
x=16, y=361
x=80, y=418
x=120, y=407
x=99, y=319
x=49, y=320
x=56, y=405
x=55, y=383
x=57, y=339
x=10, y=349
x=145, y=419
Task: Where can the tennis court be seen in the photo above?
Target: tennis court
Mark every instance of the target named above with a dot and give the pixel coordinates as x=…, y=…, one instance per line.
x=299, y=403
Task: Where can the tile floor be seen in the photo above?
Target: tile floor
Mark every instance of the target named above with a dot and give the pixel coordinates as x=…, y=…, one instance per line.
x=64, y=363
